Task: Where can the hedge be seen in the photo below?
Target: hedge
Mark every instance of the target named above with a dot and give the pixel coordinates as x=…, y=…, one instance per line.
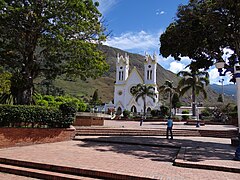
x=35, y=116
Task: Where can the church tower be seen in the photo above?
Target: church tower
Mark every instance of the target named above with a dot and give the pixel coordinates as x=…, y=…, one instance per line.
x=150, y=70
x=122, y=69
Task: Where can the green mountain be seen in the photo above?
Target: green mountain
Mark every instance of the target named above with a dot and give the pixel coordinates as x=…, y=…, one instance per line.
x=105, y=84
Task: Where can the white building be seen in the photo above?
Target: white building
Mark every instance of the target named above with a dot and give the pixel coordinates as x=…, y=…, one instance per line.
x=125, y=82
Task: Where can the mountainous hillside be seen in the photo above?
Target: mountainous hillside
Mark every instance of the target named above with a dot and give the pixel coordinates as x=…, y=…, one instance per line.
x=105, y=84
x=229, y=89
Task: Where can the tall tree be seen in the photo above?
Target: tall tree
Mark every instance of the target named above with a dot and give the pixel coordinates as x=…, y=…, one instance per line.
x=168, y=88
x=175, y=102
x=49, y=37
x=202, y=30
x=143, y=91
x=196, y=81
x=95, y=99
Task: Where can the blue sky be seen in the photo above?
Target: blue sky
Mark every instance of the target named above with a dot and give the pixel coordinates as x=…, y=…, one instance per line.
x=136, y=26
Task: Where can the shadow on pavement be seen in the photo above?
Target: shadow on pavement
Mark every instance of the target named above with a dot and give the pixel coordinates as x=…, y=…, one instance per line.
x=160, y=149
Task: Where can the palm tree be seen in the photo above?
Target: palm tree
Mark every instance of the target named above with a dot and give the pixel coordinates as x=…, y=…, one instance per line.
x=169, y=89
x=195, y=80
x=142, y=91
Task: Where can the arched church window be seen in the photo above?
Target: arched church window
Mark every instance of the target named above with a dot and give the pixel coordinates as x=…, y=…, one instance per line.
x=119, y=111
x=149, y=110
x=150, y=75
x=133, y=109
x=119, y=75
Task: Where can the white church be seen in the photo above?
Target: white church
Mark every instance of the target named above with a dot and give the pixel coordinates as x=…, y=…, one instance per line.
x=126, y=80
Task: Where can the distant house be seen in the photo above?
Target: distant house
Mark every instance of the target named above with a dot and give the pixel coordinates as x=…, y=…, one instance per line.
x=125, y=82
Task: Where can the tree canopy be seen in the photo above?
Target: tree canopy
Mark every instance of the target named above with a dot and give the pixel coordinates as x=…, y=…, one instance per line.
x=170, y=90
x=202, y=30
x=143, y=91
x=196, y=81
x=50, y=38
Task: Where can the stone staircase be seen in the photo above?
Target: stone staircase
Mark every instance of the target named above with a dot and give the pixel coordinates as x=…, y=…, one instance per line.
x=154, y=132
x=131, y=132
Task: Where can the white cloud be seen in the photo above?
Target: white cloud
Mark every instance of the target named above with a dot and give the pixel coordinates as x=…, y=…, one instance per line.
x=135, y=41
x=158, y=12
x=214, y=77
x=175, y=66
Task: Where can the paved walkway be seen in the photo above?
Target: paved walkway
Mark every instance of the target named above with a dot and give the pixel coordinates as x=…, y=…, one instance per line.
x=160, y=125
x=151, y=157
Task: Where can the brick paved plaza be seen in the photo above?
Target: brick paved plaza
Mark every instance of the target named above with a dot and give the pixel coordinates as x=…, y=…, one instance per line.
x=144, y=157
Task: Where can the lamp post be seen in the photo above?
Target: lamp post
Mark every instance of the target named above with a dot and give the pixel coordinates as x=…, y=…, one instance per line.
x=221, y=81
x=236, y=73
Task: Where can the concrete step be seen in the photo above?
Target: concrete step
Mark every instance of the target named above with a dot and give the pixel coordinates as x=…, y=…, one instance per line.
x=156, y=132
x=219, y=133
x=40, y=174
x=49, y=171
x=134, y=132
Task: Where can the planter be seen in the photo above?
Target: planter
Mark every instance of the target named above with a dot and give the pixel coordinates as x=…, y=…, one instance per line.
x=28, y=136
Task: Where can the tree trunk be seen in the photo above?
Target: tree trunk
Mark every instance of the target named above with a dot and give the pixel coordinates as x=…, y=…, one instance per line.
x=144, y=106
x=24, y=97
x=22, y=89
x=193, y=102
x=170, y=104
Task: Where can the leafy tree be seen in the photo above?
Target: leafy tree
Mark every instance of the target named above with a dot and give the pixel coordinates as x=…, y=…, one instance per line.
x=143, y=91
x=202, y=30
x=175, y=102
x=196, y=81
x=95, y=99
x=169, y=89
x=5, y=82
x=164, y=110
x=49, y=38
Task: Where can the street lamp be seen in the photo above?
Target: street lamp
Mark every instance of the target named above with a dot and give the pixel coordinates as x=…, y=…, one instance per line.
x=221, y=81
x=236, y=73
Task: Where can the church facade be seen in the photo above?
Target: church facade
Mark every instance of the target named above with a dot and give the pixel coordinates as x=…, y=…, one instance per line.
x=126, y=80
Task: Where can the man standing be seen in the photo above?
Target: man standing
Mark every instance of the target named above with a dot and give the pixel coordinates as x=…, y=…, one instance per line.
x=169, y=127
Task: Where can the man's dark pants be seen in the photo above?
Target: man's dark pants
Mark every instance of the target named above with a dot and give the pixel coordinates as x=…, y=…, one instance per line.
x=169, y=129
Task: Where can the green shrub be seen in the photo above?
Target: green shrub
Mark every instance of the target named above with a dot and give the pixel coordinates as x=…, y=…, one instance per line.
x=42, y=103
x=58, y=100
x=126, y=113
x=155, y=113
x=48, y=98
x=33, y=116
x=164, y=110
x=185, y=117
x=207, y=112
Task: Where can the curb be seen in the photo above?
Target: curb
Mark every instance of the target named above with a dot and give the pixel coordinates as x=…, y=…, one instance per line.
x=180, y=162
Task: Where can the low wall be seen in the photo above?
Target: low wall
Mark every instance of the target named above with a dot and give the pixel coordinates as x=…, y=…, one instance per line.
x=27, y=136
x=88, y=121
